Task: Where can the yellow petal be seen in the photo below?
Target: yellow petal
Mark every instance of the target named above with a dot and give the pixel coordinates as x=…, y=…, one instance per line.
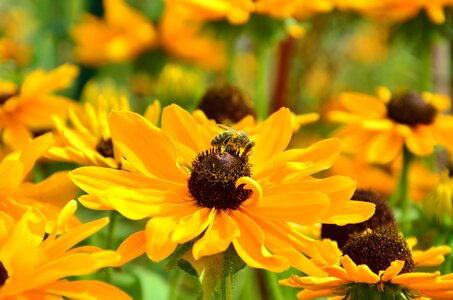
x=86, y=289
x=273, y=137
x=353, y=212
x=158, y=238
x=132, y=247
x=393, y=270
x=190, y=226
x=217, y=237
x=407, y=279
x=431, y=257
x=361, y=273
x=145, y=146
x=300, y=208
x=181, y=126
x=250, y=246
x=94, y=180
x=319, y=156
x=362, y=104
x=384, y=147
x=11, y=172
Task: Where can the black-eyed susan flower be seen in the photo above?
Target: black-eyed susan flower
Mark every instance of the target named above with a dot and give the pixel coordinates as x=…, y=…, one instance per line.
x=86, y=139
x=30, y=109
x=383, y=216
x=34, y=265
x=18, y=194
x=185, y=39
x=379, y=126
x=297, y=8
x=121, y=35
x=374, y=264
x=243, y=193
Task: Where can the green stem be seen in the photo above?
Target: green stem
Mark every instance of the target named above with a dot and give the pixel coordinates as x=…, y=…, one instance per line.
x=231, y=56
x=111, y=230
x=176, y=279
x=261, y=81
x=274, y=287
x=226, y=287
x=405, y=203
x=426, y=72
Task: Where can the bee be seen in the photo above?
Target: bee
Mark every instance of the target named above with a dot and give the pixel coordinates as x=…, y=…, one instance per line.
x=233, y=138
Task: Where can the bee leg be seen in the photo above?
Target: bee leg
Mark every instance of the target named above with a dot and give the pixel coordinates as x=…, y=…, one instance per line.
x=225, y=144
x=247, y=148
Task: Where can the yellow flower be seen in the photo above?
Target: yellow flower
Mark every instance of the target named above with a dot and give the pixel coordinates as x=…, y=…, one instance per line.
x=398, y=10
x=235, y=11
x=244, y=196
x=386, y=269
x=121, y=36
x=31, y=108
x=86, y=140
x=379, y=126
x=439, y=202
x=291, y=8
x=18, y=195
x=182, y=37
x=13, y=32
x=33, y=265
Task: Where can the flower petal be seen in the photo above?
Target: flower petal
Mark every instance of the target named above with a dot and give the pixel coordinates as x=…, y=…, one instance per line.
x=86, y=289
x=158, y=238
x=217, y=237
x=273, y=137
x=132, y=247
x=181, y=126
x=384, y=147
x=190, y=226
x=250, y=246
x=353, y=212
x=144, y=145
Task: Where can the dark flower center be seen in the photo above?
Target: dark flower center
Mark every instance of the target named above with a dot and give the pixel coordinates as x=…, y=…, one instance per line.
x=411, y=109
x=226, y=103
x=378, y=249
x=105, y=147
x=5, y=97
x=213, y=179
x=383, y=216
x=3, y=274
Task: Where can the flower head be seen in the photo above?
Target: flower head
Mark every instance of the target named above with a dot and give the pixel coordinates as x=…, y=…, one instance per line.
x=244, y=192
x=33, y=265
x=30, y=109
x=86, y=140
x=383, y=124
x=123, y=34
x=375, y=263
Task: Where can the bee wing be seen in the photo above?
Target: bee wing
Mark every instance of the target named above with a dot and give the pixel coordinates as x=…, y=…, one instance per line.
x=227, y=128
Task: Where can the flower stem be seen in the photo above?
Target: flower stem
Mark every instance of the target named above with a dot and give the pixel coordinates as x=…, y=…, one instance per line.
x=405, y=203
x=261, y=81
x=274, y=287
x=226, y=287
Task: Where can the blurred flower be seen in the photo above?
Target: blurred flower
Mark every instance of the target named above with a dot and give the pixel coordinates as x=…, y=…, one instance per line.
x=123, y=34
x=439, y=202
x=197, y=192
x=33, y=265
x=31, y=109
x=12, y=41
x=379, y=126
x=189, y=82
x=368, y=44
x=18, y=195
x=383, y=178
x=226, y=104
x=398, y=10
x=185, y=39
x=236, y=11
x=293, y=8
x=374, y=265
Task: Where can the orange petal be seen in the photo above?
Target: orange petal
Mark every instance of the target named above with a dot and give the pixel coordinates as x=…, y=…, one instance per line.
x=158, y=238
x=86, y=289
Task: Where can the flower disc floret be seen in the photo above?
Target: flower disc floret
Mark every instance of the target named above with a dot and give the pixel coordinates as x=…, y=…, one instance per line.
x=378, y=249
x=105, y=147
x=213, y=178
x=3, y=274
x=411, y=109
